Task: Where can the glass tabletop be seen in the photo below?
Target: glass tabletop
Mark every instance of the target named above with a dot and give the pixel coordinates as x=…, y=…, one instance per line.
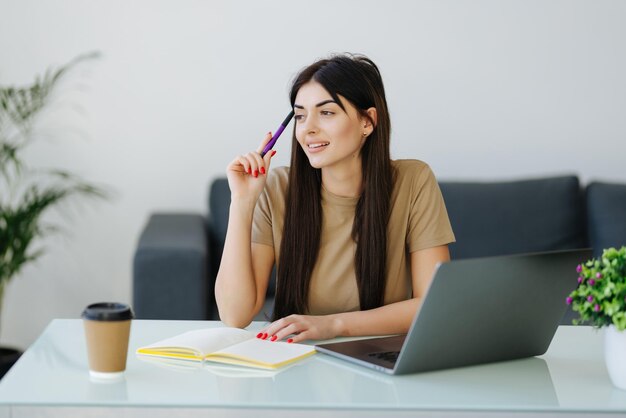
x=571, y=376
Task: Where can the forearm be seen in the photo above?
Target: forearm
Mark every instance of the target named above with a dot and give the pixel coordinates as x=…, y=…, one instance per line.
x=395, y=318
x=235, y=286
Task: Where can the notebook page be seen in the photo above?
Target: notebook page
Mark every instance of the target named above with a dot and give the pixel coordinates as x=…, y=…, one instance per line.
x=203, y=341
x=263, y=352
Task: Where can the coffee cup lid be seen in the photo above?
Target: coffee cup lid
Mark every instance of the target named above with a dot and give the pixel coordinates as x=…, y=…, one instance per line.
x=108, y=311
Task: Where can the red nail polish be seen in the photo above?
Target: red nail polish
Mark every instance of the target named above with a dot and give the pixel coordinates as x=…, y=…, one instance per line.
x=262, y=170
x=265, y=336
x=249, y=170
x=273, y=152
x=274, y=338
x=256, y=173
x=290, y=340
x=259, y=335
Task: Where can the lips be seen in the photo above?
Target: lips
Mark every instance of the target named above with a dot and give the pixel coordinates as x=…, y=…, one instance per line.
x=317, y=145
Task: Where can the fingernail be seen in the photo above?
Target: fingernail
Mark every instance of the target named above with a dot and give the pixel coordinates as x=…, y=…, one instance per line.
x=262, y=170
x=269, y=133
x=273, y=152
x=265, y=336
x=256, y=173
x=274, y=338
x=290, y=340
x=249, y=170
x=259, y=335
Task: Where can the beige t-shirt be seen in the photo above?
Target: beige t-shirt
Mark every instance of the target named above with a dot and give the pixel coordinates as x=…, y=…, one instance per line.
x=418, y=220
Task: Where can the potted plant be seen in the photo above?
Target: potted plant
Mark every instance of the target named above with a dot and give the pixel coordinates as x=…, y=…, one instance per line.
x=600, y=300
x=27, y=194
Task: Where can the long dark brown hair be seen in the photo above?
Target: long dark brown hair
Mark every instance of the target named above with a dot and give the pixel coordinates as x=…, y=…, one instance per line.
x=357, y=79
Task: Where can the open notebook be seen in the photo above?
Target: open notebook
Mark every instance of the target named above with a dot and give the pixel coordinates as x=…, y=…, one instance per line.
x=230, y=346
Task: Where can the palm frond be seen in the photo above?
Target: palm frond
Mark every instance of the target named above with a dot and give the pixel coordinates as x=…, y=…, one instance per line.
x=20, y=224
x=21, y=104
x=19, y=107
x=9, y=158
x=33, y=192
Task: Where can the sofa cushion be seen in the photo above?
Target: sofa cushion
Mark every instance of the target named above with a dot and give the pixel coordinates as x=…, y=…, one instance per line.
x=497, y=218
x=606, y=215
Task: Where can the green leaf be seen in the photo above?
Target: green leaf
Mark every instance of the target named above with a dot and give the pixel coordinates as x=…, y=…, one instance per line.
x=21, y=212
x=619, y=320
x=609, y=291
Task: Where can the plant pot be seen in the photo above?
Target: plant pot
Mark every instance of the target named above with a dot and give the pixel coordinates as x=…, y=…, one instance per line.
x=615, y=356
x=8, y=357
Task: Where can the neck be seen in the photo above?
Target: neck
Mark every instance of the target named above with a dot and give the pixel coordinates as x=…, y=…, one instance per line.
x=344, y=181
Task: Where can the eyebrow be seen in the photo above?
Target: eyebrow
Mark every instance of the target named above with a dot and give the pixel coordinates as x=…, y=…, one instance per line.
x=317, y=105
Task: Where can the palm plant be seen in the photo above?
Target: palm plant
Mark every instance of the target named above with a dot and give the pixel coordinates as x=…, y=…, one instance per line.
x=26, y=194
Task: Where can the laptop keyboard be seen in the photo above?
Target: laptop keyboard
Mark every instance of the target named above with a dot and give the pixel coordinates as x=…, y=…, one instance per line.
x=388, y=356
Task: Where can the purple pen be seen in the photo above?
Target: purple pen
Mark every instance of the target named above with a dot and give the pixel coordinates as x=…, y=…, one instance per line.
x=279, y=131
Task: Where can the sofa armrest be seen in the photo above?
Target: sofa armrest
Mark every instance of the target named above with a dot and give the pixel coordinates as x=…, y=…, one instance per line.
x=170, y=269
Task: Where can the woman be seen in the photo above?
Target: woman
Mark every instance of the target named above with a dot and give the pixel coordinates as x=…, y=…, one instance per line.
x=355, y=236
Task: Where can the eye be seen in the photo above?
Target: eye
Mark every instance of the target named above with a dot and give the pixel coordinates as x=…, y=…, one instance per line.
x=327, y=113
x=298, y=117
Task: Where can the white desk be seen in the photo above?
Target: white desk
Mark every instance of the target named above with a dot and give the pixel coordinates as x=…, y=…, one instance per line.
x=51, y=379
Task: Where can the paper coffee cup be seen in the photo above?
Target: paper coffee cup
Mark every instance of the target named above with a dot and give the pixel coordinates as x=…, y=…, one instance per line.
x=107, y=329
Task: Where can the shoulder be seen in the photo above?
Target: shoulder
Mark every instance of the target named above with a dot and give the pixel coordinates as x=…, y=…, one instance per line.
x=411, y=173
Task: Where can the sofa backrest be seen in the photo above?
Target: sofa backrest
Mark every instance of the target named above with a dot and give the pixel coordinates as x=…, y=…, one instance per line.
x=497, y=218
x=490, y=218
x=219, y=205
x=606, y=217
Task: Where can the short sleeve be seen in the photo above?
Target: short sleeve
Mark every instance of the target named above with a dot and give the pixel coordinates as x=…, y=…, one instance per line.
x=262, y=221
x=429, y=225
x=269, y=212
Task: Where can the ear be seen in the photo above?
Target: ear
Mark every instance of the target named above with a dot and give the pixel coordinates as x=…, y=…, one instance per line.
x=370, y=122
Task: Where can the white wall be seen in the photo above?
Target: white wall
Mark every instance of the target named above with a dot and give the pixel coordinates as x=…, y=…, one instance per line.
x=479, y=89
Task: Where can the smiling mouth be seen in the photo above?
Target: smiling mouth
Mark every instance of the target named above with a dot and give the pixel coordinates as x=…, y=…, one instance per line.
x=319, y=145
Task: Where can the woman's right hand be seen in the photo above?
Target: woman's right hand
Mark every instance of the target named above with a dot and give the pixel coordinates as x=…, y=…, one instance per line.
x=247, y=173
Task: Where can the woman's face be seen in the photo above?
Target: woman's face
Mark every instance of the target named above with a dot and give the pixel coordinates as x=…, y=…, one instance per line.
x=330, y=136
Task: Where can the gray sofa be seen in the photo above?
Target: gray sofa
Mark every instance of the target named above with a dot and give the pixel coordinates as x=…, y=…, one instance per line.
x=177, y=256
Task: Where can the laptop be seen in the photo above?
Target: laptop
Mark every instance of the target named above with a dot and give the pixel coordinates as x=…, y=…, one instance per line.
x=476, y=311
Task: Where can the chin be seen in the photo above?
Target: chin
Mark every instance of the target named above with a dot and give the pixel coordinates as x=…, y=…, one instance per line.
x=316, y=163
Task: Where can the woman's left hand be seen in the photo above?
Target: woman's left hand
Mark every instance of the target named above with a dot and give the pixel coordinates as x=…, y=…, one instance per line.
x=302, y=327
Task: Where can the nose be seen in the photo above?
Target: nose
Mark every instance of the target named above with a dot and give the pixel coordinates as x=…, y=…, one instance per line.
x=309, y=125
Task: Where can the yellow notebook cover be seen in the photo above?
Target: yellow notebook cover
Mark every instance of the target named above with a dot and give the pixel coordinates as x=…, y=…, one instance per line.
x=230, y=346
